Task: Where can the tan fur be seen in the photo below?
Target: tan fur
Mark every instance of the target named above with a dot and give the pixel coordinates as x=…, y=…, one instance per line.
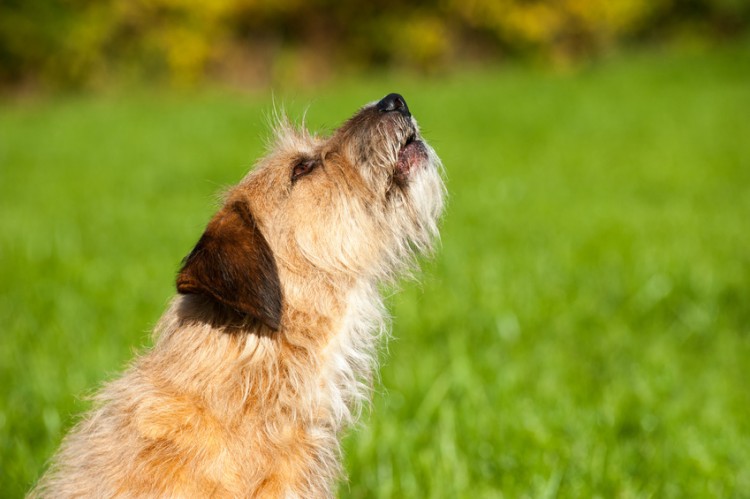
x=235, y=399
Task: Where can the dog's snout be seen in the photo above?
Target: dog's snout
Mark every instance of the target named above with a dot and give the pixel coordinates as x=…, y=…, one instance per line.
x=393, y=103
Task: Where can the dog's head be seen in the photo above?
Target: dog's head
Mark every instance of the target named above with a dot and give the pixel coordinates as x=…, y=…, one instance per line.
x=358, y=204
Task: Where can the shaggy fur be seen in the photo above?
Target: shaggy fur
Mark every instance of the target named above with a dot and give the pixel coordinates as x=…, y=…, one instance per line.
x=266, y=354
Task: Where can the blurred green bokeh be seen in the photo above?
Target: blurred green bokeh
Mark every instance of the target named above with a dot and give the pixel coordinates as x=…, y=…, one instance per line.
x=583, y=331
x=253, y=43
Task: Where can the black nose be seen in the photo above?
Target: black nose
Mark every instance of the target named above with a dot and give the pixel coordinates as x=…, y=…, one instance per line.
x=393, y=102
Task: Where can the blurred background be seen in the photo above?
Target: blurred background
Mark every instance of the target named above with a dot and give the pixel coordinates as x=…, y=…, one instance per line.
x=584, y=328
x=256, y=43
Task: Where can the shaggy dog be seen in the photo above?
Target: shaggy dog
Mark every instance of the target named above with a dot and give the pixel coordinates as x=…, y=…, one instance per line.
x=266, y=353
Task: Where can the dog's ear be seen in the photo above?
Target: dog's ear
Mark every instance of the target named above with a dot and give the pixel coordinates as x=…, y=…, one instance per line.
x=233, y=264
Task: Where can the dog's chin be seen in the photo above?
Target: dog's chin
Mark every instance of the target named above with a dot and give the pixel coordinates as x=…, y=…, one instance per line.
x=412, y=156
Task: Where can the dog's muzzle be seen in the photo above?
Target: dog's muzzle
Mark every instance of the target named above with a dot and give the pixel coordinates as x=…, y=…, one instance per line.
x=413, y=151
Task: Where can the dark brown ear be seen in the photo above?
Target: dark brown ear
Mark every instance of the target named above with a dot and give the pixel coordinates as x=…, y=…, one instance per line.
x=233, y=264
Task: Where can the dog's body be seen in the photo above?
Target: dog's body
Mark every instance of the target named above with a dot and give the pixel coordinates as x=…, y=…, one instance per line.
x=267, y=352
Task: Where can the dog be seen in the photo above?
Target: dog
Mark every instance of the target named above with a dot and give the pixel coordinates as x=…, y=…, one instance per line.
x=266, y=353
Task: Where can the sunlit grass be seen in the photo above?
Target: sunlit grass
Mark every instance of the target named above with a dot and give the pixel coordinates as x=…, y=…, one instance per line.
x=584, y=328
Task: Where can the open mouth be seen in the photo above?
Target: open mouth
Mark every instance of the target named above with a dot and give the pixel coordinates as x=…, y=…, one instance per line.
x=411, y=155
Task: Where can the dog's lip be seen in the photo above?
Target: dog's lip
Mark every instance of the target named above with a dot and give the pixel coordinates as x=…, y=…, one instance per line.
x=411, y=138
x=411, y=154
x=411, y=144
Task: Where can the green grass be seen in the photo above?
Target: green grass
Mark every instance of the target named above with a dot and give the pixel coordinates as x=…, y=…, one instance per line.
x=583, y=331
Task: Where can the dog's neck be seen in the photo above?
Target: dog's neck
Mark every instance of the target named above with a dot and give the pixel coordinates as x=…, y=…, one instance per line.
x=336, y=341
x=304, y=383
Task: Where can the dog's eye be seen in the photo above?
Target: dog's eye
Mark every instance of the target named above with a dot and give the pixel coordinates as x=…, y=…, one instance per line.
x=302, y=168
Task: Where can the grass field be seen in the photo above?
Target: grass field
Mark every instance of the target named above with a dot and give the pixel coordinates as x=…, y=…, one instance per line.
x=583, y=331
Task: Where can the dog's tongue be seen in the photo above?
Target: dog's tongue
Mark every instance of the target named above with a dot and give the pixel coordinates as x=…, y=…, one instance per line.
x=409, y=157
